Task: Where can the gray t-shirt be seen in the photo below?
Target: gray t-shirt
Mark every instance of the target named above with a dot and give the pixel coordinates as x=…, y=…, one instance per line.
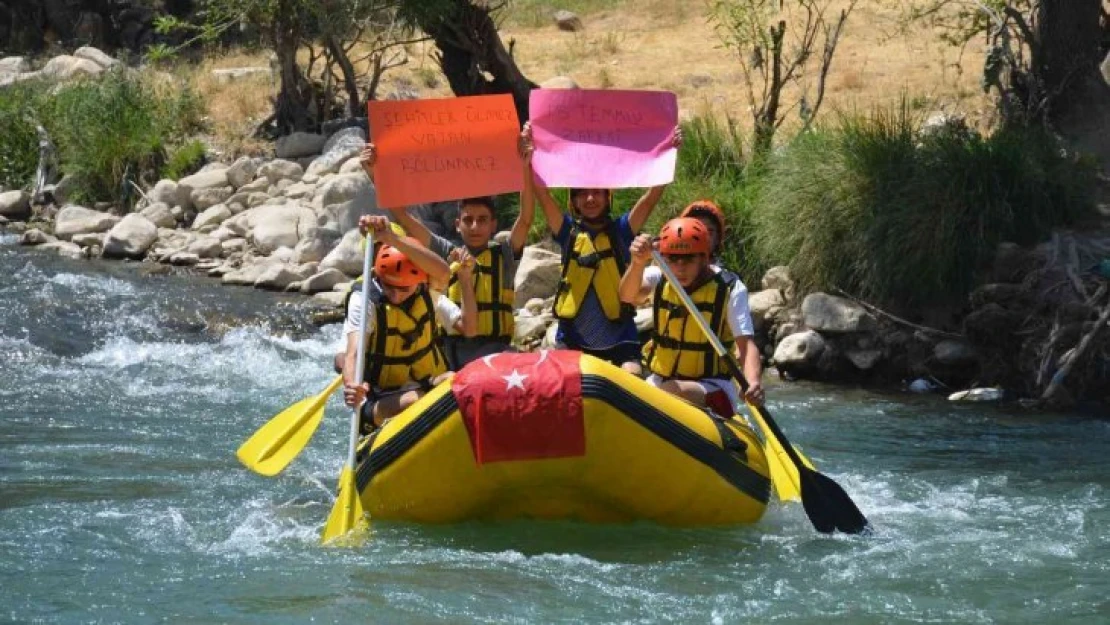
x=442, y=247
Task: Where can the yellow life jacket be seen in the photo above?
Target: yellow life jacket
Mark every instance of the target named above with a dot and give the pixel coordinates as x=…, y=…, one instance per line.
x=678, y=348
x=493, y=296
x=404, y=345
x=592, y=262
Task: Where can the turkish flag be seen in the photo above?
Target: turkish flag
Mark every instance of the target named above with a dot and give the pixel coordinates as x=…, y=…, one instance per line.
x=523, y=406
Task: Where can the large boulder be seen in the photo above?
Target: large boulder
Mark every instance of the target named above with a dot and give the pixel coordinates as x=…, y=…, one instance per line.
x=130, y=238
x=15, y=205
x=164, y=191
x=801, y=351
x=345, y=188
x=537, y=274
x=323, y=281
x=74, y=219
x=64, y=67
x=95, y=55
x=277, y=276
x=299, y=144
x=764, y=304
x=188, y=186
x=242, y=171
x=279, y=169
x=271, y=226
x=347, y=256
x=160, y=215
x=315, y=245
x=828, y=313
x=527, y=330
x=212, y=217
x=203, y=199
x=340, y=147
x=66, y=249
x=778, y=277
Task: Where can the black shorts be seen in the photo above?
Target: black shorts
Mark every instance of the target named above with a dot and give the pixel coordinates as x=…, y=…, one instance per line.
x=617, y=355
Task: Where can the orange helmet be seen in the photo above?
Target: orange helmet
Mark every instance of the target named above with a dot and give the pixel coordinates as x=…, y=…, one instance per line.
x=684, y=235
x=394, y=268
x=707, y=207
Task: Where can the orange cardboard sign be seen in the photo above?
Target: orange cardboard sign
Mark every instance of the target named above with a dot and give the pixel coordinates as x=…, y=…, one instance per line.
x=444, y=149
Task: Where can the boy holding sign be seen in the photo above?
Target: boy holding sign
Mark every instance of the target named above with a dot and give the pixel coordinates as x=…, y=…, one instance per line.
x=403, y=358
x=494, y=265
x=592, y=319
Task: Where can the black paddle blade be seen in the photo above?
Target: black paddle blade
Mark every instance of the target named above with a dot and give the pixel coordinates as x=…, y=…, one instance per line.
x=828, y=507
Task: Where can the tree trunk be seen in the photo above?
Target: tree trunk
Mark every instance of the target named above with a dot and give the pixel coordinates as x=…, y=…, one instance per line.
x=350, y=79
x=291, y=107
x=472, y=56
x=1068, y=39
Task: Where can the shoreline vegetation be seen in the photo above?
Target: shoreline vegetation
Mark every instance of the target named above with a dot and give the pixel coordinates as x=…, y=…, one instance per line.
x=887, y=246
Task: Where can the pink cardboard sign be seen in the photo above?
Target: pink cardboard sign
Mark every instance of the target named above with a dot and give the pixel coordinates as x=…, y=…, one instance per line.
x=603, y=139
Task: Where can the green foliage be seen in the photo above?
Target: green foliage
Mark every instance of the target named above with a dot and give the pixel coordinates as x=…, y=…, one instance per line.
x=19, y=147
x=874, y=208
x=104, y=129
x=185, y=160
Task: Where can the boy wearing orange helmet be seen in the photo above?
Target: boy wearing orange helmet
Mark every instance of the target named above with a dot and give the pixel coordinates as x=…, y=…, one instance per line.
x=403, y=357
x=495, y=264
x=681, y=359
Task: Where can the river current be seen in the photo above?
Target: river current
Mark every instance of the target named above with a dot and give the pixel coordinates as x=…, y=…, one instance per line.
x=123, y=398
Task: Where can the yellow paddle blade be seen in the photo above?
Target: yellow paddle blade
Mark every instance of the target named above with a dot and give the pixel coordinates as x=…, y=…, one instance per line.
x=784, y=475
x=276, y=444
x=347, y=513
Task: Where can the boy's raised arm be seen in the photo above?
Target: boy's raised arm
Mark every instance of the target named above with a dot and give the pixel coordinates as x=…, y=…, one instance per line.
x=518, y=236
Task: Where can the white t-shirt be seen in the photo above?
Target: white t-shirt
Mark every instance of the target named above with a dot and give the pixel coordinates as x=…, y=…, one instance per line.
x=739, y=315
x=448, y=313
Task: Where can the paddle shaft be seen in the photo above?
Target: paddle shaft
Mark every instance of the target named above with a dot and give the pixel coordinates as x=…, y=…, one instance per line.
x=360, y=364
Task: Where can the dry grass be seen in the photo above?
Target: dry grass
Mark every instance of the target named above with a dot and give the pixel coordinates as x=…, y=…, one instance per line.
x=651, y=44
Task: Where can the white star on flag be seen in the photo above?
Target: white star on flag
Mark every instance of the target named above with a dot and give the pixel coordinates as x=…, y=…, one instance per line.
x=514, y=379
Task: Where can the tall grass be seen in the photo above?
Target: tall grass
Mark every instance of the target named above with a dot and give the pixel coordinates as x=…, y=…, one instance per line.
x=872, y=207
x=19, y=151
x=106, y=130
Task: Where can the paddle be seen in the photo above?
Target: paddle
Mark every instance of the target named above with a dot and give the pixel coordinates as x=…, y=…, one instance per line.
x=347, y=513
x=828, y=507
x=269, y=450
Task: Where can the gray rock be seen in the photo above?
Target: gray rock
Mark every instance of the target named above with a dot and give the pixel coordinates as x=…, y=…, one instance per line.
x=1104, y=67
x=246, y=275
x=206, y=247
x=281, y=170
x=165, y=192
x=242, y=171
x=778, y=277
x=351, y=166
x=187, y=259
x=299, y=190
x=323, y=281
x=63, y=67
x=231, y=246
x=828, y=313
x=978, y=394
x=299, y=144
x=529, y=329
x=89, y=240
x=345, y=188
x=276, y=277
x=160, y=215
x=130, y=238
x=204, y=199
x=347, y=255
x=537, y=275
x=762, y=303
x=12, y=65
x=73, y=220
x=534, y=306
x=258, y=185
x=257, y=198
x=864, y=359
x=272, y=226
x=315, y=246
x=955, y=353
x=212, y=216
x=65, y=249
x=799, y=351
x=330, y=298
x=63, y=191
x=222, y=234
x=234, y=74
x=15, y=205
x=96, y=56
x=567, y=21
x=340, y=147
x=34, y=236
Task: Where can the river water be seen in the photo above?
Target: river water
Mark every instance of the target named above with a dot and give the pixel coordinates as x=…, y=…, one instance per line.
x=123, y=398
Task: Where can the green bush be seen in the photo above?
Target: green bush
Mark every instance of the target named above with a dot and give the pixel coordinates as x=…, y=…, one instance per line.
x=19, y=145
x=185, y=160
x=874, y=208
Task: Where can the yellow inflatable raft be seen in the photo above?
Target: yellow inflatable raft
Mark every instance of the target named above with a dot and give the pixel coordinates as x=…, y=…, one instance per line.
x=560, y=435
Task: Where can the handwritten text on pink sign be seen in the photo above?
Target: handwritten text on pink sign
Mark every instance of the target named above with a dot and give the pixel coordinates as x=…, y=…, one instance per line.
x=602, y=138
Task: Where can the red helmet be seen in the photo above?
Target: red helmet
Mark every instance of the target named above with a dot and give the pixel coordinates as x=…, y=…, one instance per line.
x=707, y=207
x=394, y=268
x=684, y=235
